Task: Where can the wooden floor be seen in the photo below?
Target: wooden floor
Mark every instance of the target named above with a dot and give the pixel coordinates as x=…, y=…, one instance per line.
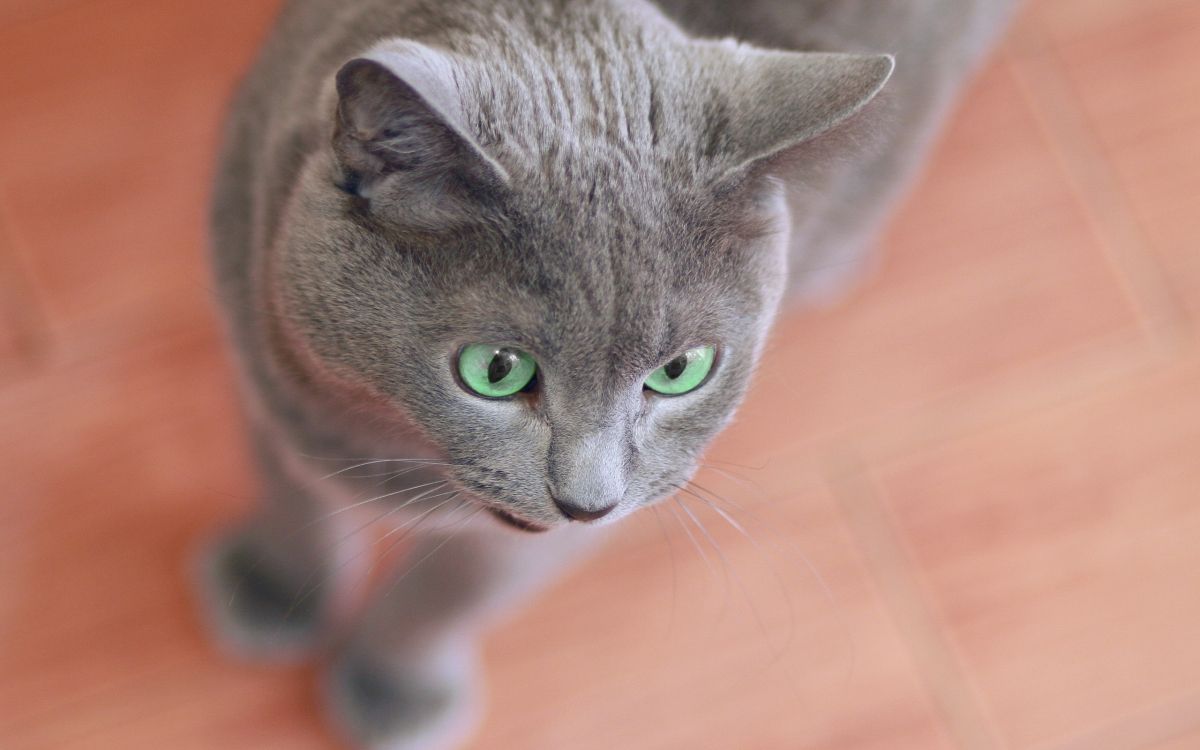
x=973, y=488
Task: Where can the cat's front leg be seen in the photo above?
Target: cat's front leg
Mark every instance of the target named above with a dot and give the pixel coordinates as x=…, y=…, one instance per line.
x=274, y=586
x=407, y=679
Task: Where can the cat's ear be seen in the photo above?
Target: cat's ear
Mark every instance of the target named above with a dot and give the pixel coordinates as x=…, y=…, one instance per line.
x=778, y=101
x=400, y=135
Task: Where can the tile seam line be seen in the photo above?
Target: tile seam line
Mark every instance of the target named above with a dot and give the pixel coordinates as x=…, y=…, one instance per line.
x=1145, y=727
x=26, y=310
x=954, y=695
x=1065, y=123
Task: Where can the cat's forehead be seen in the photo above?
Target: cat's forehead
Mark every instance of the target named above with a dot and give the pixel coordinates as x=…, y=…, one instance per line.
x=572, y=281
x=629, y=240
x=598, y=94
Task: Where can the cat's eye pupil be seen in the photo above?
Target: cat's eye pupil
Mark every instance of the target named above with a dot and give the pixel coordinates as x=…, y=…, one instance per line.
x=501, y=365
x=675, y=367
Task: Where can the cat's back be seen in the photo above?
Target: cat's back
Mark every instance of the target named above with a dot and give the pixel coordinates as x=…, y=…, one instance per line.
x=949, y=30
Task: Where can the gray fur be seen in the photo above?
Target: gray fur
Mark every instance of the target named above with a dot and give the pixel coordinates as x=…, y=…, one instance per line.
x=600, y=183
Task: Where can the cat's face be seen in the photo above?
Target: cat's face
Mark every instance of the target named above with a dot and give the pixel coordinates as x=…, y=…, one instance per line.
x=523, y=348
x=569, y=330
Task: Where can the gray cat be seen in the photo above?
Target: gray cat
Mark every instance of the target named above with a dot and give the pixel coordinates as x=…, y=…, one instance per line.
x=496, y=272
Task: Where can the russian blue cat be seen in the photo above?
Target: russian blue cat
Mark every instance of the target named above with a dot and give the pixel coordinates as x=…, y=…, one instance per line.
x=496, y=271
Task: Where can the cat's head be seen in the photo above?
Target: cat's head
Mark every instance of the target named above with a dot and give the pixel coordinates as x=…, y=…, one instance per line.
x=559, y=264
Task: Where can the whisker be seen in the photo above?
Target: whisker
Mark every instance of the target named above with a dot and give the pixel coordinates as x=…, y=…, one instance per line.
x=827, y=590
x=747, y=467
x=346, y=459
x=662, y=527
x=411, y=525
x=762, y=625
x=408, y=529
x=347, y=508
x=389, y=475
x=695, y=544
x=376, y=461
x=337, y=512
x=733, y=476
x=455, y=531
x=716, y=548
x=812, y=568
x=305, y=594
x=792, y=617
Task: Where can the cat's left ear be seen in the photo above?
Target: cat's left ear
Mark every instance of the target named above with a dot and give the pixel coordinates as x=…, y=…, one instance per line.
x=401, y=138
x=776, y=101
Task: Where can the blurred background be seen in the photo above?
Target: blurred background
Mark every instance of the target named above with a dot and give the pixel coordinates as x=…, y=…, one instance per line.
x=970, y=492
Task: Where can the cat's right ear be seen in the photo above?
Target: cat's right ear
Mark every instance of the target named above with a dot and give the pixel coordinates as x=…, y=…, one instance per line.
x=780, y=109
x=400, y=141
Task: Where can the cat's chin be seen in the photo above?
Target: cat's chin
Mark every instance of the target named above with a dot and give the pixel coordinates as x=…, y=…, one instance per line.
x=517, y=523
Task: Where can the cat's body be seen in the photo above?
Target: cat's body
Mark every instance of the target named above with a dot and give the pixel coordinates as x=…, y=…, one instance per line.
x=582, y=182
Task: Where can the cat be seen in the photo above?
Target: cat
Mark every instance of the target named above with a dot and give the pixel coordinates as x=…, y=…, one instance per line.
x=497, y=271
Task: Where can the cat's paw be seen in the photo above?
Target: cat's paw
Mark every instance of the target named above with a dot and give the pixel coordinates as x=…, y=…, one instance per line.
x=256, y=612
x=380, y=706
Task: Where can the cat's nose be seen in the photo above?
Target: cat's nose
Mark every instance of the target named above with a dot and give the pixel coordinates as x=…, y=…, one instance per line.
x=577, y=512
x=585, y=474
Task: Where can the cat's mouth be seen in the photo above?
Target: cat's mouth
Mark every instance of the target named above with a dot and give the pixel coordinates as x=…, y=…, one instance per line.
x=517, y=523
x=508, y=519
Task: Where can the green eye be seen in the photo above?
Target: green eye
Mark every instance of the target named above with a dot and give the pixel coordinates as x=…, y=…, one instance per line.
x=683, y=374
x=495, y=371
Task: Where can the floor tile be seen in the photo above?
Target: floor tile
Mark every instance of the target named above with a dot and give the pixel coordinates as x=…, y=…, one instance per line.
x=1135, y=76
x=637, y=672
x=1164, y=722
x=14, y=12
x=1084, y=17
x=139, y=457
x=1060, y=552
x=21, y=334
x=990, y=268
x=107, y=159
x=1188, y=742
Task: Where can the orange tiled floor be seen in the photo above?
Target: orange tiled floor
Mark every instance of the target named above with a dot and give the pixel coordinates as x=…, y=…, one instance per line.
x=994, y=462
